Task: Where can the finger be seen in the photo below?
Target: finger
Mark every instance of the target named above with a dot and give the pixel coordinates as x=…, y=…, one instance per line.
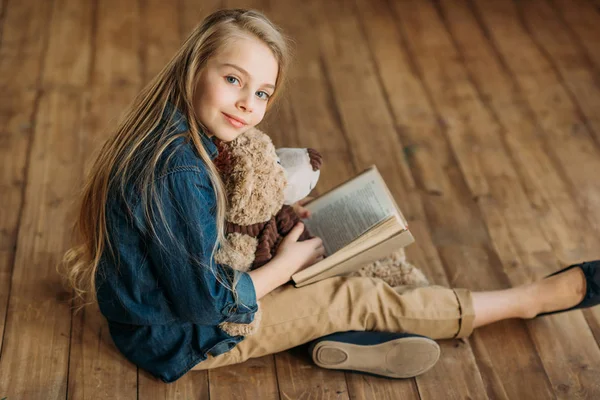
x=302, y=212
x=317, y=241
x=295, y=233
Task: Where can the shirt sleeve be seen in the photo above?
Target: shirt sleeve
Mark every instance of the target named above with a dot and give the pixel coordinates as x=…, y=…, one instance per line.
x=180, y=250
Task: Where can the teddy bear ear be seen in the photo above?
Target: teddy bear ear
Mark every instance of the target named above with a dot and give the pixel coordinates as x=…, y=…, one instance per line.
x=316, y=160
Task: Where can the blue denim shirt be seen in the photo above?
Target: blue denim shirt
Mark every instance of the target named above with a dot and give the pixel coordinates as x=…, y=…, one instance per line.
x=162, y=305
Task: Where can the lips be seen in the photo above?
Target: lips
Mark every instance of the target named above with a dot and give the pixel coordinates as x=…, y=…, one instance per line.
x=236, y=122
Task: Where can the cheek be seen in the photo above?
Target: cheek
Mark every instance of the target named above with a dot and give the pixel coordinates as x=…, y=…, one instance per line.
x=259, y=113
x=215, y=94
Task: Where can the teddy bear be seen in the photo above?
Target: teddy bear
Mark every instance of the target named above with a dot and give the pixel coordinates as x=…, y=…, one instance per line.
x=261, y=185
x=260, y=194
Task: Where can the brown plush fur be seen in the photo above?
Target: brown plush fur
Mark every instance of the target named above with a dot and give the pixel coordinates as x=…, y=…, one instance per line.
x=242, y=254
x=395, y=270
x=254, y=184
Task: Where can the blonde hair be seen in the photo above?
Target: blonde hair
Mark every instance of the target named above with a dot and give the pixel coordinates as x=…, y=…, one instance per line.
x=133, y=152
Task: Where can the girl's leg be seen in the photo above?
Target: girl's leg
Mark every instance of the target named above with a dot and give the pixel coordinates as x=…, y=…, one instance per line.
x=554, y=293
x=294, y=316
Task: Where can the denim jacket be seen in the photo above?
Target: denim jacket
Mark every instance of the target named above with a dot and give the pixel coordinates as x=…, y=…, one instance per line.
x=162, y=304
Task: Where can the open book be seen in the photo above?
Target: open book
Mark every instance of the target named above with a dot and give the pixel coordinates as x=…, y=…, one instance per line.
x=359, y=222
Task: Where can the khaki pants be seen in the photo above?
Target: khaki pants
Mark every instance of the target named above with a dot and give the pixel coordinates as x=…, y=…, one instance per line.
x=293, y=316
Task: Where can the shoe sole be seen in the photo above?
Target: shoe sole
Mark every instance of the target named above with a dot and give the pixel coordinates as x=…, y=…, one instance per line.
x=399, y=358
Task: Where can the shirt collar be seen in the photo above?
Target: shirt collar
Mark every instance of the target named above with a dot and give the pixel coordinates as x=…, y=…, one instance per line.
x=178, y=122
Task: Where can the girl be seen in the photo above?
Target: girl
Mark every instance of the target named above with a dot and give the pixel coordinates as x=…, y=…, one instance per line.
x=152, y=216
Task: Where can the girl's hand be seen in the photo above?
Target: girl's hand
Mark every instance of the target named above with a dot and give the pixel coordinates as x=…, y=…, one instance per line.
x=299, y=255
x=291, y=257
x=299, y=207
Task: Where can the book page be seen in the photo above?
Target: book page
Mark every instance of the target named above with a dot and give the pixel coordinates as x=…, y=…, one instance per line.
x=348, y=211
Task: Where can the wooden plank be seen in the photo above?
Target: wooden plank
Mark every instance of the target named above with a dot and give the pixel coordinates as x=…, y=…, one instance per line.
x=305, y=117
x=541, y=174
x=567, y=140
x=299, y=378
x=97, y=368
x=308, y=117
x=18, y=107
x=253, y=379
x=69, y=45
x=481, y=160
x=24, y=41
x=363, y=109
x=583, y=19
x=428, y=156
x=412, y=112
x=549, y=101
x=160, y=35
x=2, y=15
x=36, y=340
x=457, y=359
x=342, y=64
x=564, y=53
x=506, y=208
x=23, y=53
x=193, y=385
x=17, y=110
x=117, y=62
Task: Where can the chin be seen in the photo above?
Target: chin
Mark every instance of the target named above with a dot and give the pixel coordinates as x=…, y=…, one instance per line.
x=228, y=135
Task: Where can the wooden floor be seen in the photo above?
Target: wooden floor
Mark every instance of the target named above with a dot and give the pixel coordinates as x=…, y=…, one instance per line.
x=483, y=116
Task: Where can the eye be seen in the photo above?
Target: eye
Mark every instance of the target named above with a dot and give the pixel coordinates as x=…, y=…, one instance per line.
x=232, y=79
x=263, y=95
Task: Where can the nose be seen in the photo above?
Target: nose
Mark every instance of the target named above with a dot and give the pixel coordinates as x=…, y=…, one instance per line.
x=245, y=103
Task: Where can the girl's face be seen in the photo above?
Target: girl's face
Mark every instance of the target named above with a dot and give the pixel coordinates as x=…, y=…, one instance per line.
x=234, y=88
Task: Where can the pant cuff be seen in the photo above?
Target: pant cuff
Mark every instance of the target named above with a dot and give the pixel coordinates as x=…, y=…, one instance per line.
x=467, y=313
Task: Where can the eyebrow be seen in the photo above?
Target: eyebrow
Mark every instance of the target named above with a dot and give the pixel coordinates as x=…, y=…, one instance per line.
x=243, y=71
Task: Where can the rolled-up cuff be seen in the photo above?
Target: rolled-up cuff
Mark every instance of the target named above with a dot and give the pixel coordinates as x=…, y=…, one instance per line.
x=242, y=311
x=246, y=293
x=467, y=312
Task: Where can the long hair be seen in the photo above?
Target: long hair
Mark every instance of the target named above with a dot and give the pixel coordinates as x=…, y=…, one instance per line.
x=133, y=152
